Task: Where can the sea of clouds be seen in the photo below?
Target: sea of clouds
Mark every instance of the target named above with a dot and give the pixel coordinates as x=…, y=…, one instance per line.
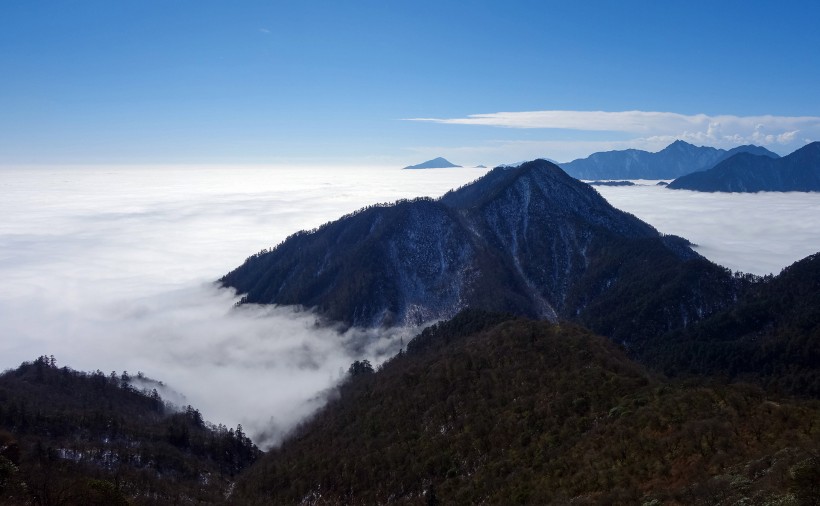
x=113, y=268
x=759, y=233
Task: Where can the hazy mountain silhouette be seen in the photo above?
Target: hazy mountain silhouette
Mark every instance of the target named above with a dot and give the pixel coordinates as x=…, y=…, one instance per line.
x=746, y=172
x=435, y=163
x=673, y=161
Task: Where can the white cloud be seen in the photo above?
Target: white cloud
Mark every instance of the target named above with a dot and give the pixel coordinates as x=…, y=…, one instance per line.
x=112, y=269
x=752, y=232
x=627, y=121
x=655, y=127
x=655, y=123
x=497, y=152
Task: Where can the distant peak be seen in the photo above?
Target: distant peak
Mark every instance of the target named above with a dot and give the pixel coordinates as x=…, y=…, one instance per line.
x=544, y=170
x=435, y=163
x=440, y=160
x=680, y=144
x=540, y=164
x=748, y=172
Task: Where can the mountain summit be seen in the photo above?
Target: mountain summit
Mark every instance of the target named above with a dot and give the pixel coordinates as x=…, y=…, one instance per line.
x=435, y=163
x=529, y=240
x=673, y=161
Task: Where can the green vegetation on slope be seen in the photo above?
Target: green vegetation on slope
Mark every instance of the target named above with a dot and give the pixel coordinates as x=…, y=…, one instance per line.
x=68, y=437
x=527, y=412
x=771, y=336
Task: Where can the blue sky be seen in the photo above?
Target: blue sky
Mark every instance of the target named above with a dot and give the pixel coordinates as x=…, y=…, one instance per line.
x=333, y=82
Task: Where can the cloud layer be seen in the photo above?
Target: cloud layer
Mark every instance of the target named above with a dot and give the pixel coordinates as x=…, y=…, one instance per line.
x=751, y=232
x=112, y=269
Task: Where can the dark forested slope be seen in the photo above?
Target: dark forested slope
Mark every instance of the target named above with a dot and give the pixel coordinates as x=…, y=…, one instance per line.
x=772, y=335
x=68, y=437
x=529, y=240
x=484, y=409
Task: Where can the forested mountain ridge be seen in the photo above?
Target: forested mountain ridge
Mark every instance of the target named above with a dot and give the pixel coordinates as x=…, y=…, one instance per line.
x=675, y=160
x=483, y=408
x=68, y=437
x=746, y=172
x=490, y=409
x=771, y=336
x=529, y=240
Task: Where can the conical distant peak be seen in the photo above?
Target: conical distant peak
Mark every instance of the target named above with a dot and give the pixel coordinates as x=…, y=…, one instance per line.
x=679, y=144
x=435, y=163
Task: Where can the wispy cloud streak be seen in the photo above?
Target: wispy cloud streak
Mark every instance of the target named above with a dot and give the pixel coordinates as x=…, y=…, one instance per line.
x=650, y=125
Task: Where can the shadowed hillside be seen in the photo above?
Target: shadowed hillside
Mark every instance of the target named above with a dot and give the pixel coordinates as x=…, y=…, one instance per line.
x=528, y=240
x=524, y=412
x=746, y=172
x=771, y=336
x=68, y=438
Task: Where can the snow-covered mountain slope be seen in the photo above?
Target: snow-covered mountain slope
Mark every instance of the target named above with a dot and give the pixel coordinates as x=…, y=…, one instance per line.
x=529, y=240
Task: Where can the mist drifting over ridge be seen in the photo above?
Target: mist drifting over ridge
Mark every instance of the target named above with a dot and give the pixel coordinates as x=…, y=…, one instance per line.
x=114, y=268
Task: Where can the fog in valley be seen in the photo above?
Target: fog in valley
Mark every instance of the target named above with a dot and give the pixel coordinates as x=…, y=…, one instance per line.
x=112, y=268
x=758, y=233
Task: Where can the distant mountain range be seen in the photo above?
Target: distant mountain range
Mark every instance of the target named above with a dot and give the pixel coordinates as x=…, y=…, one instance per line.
x=528, y=240
x=747, y=172
x=435, y=163
x=677, y=159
